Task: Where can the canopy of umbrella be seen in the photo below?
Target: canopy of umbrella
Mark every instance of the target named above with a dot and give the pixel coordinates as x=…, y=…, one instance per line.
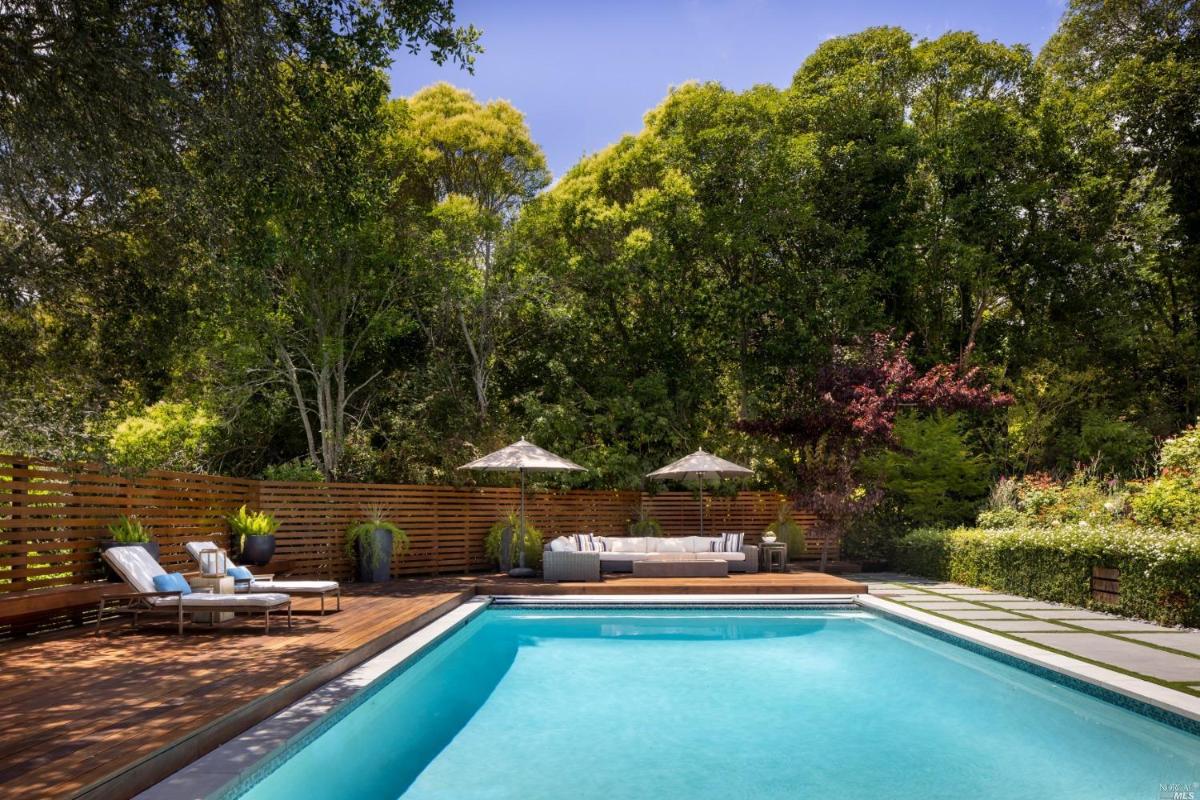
x=522, y=457
x=700, y=466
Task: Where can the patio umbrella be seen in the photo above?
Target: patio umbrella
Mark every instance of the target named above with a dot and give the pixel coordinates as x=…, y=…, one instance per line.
x=522, y=457
x=700, y=465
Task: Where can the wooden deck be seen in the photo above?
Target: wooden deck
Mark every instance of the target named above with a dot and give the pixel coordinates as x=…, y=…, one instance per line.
x=104, y=717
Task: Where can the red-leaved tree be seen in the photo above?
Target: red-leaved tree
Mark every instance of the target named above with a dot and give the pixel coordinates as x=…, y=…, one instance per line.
x=849, y=408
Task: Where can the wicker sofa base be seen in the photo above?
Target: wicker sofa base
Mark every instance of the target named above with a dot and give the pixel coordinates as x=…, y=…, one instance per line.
x=669, y=568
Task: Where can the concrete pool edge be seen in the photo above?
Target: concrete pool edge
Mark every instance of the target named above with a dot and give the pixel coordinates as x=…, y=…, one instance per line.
x=228, y=767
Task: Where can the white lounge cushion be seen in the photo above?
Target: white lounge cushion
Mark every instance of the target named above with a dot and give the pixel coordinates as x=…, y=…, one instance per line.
x=625, y=544
x=563, y=544
x=738, y=556
x=672, y=546
x=200, y=600
x=135, y=566
x=610, y=556
x=294, y=586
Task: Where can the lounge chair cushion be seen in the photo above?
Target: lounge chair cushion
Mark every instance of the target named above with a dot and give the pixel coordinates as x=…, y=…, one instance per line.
x=239, y=573
x=171, y=582
x=135, y=566
x=563, y=544
x=294, y=586
x=200, y=600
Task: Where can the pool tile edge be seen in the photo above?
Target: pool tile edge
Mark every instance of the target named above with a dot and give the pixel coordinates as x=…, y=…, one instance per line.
x=1143, y=691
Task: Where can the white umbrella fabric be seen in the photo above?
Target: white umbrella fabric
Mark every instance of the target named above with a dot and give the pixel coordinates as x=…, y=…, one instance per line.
x=522, y=457
x=700, y=466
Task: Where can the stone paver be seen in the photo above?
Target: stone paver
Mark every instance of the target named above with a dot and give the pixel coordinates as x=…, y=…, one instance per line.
x=1188, y=642
x=1013, y=625
x=1022, y=605
x=1114, y=625
x=958, y=592
x=933, y=605
x=1066, y=612
x=985, y=613
x=1130, y=656
x=991, y=597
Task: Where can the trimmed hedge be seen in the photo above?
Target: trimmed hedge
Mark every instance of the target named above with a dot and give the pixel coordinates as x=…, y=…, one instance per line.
x=1160, y=570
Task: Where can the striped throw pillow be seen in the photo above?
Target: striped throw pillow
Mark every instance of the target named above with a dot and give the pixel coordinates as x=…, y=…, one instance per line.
x=587, y=543
x=730, y=543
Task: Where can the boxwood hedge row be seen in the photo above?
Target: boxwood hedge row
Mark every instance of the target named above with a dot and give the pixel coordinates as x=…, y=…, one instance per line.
x=1160, y=570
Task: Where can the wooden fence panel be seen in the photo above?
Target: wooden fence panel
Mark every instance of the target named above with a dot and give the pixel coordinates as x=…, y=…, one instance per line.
x=748, y=512
x=446, y=525
x=53, y=517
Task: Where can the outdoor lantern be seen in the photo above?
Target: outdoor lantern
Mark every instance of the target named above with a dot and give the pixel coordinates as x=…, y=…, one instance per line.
x=212, y=563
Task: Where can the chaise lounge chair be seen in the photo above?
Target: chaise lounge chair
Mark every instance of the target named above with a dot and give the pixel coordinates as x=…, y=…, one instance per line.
x=137, y=569
x=267, y=583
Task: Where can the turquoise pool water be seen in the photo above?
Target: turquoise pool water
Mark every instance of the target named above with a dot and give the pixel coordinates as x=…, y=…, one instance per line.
x=712, y=704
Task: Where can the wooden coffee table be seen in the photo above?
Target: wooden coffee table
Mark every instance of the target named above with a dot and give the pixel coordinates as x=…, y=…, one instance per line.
x=692, y=568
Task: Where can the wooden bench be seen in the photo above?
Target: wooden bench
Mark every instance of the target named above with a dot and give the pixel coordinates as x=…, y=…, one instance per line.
x=30, y=609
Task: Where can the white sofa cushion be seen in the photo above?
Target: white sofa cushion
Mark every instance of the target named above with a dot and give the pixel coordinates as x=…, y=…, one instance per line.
x=563, y=544
x=625, y=544
x=738, y=556
x=699, y=544
x=672, y=546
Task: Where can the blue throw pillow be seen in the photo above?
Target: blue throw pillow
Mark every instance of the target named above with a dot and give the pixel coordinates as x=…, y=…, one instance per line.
x=239, y=573
x=171, y=582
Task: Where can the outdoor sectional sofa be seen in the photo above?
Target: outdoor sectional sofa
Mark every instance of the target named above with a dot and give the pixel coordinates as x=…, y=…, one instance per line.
x=562, y=561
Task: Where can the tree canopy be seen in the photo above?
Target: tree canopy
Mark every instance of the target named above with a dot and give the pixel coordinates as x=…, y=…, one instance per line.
x=215, y=216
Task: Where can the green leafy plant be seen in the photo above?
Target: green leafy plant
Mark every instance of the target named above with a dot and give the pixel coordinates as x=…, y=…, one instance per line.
x=127, y=530
x=243, y=523
x=533, y=540
x=360, y=539
x=1182, y=453
x=297, y=470
x=786, y=529
x=1169, y=502
x=1158, y=567
x=645, y=525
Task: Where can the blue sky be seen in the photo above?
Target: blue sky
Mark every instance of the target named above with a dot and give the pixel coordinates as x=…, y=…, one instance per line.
x=584, y=73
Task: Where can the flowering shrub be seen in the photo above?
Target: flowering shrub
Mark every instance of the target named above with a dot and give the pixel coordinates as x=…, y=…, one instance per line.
x=1168, y=502
x=1182, y=453
x=1160, y=569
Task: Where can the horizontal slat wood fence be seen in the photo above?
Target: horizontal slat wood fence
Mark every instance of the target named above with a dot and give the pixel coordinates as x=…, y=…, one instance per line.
x=53, y=517
x=748, y=512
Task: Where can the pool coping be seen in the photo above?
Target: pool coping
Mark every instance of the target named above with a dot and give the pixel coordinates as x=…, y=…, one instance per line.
x=225, y=768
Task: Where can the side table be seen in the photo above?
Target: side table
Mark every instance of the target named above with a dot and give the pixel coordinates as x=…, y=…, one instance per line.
x=221, y=585
x=773, y=556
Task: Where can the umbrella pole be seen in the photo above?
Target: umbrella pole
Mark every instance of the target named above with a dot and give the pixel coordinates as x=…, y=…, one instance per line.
x=700, y=475
x=521, y=535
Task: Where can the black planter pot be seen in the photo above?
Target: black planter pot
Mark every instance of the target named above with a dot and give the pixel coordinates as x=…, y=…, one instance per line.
x=256, y=550
x=381, y=572
x=108, y=544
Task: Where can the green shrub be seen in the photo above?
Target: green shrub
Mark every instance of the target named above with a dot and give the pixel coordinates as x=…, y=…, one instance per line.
x=127, y=530
x=933, y=476
x=1182, y=453
x=1115, y=445
x=533, y=540
x=645, y=526
x=162, y=436
x=1159, y=568
x=1167, y=502
x=787, y=530
x=297, y=470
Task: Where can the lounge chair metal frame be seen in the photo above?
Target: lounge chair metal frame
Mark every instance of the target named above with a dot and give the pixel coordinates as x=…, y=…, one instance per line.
x=245, y=586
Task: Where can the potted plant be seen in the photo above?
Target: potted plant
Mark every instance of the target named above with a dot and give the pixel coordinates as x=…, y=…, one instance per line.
x=645, y=525
x=500, y=546
x=371, y=544
x=252, y=534
x=128, y=532
x=787, y=530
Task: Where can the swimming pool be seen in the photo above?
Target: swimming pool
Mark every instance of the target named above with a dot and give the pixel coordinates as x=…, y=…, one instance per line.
x=711, y=703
